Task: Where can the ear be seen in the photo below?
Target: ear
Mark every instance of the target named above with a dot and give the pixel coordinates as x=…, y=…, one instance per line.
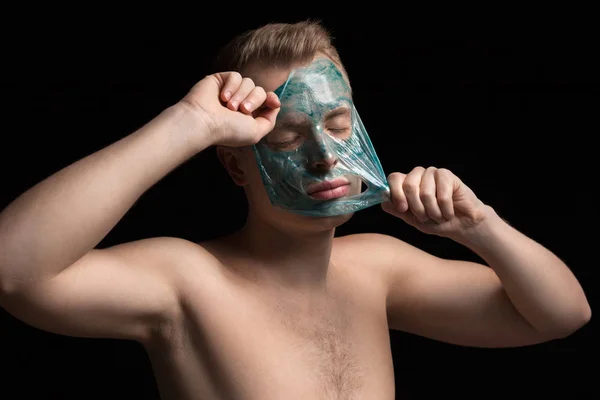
x=231, y=159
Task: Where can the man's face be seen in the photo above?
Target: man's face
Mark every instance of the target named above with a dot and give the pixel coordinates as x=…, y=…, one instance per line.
x=318, y=156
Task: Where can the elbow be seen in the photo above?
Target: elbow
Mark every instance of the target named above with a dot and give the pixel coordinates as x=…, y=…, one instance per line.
x=9, y=283
x=574, y=321
x=582, y=317
x=5, y=291
x=7, y=287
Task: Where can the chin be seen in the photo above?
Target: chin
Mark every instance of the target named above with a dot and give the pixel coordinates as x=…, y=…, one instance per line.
x=285, y=220
x=324, y=223
x=290, y=221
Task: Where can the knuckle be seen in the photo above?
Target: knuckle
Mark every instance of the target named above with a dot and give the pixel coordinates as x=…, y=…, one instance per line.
x=395, y=176
x=443, y=172
x=426, y=195
x=444, y=199
x=397, y=195
x=259, y=92
x=247, y=81
x=410, y=186
x=235, y=77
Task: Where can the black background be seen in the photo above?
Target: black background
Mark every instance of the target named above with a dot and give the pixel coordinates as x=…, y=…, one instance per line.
x=510, y=112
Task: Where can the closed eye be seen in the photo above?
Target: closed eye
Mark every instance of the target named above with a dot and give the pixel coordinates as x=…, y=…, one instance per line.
x=288, y=144
x=340, y=133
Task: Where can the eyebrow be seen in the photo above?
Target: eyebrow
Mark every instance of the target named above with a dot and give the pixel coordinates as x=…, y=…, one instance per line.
x=338, y=111
x=295, y=122
x=287, y=124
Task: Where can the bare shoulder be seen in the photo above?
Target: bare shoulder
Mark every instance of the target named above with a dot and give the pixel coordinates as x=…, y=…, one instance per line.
x=370, y=255
x=383, y=254
x=376, y=249
x=360, y=241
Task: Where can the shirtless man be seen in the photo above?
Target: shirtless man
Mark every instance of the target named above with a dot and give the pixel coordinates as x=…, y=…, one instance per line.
x=280, y=309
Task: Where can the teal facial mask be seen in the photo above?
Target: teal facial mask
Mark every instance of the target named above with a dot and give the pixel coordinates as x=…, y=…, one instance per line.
x=319, y=138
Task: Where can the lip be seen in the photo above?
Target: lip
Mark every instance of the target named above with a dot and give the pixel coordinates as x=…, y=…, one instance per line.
x=328, y=190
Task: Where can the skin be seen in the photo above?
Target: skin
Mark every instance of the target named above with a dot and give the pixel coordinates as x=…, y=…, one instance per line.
x=281, y=308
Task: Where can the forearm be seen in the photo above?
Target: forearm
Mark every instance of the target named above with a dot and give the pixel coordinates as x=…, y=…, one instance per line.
x=57, y=221
x=539, y=284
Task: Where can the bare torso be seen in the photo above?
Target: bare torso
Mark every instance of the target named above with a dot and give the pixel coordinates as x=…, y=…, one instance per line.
x=236, y=339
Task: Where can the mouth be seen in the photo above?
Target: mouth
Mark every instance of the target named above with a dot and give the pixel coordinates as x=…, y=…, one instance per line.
x=329, y=190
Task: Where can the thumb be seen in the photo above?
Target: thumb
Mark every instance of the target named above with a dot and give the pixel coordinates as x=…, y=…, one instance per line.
x=266, y=116
x=406, y=216
x=265, y=121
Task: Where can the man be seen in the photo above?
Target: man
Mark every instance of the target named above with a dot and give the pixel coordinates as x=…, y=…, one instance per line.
x=281, y=308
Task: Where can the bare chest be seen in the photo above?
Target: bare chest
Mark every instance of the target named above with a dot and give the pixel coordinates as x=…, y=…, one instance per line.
x=246, y=346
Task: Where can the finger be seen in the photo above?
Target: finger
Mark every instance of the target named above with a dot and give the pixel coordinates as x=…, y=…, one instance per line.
x=231, y=85
x=266, y=114
x=253, y=101
x=428, y=195
x=407, y=216
x=411, y=186
x=272, y=101
x=445, y=192
x=243, y=90
x=265, y=121
x=395, y=180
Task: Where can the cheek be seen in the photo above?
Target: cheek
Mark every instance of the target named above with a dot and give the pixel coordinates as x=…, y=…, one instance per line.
x=253, y=172
x=255, y=188
x=284, y=166
x=350, y=150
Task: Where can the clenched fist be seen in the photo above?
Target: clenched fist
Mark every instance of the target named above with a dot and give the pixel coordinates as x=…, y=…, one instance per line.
x=233, y=109
x=435, y=201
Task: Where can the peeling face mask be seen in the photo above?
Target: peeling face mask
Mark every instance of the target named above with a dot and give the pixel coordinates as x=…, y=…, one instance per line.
x=319, y=159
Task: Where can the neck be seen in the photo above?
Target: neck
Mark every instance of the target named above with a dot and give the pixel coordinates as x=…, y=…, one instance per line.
x=289, y=258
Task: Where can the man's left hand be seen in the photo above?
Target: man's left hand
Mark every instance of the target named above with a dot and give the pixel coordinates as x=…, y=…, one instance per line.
x=435, y=201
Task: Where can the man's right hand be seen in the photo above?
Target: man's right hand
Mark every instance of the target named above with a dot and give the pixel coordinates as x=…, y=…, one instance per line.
x=233, y=109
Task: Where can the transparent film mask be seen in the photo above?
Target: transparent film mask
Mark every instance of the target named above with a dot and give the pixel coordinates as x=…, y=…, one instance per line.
x=319, y=139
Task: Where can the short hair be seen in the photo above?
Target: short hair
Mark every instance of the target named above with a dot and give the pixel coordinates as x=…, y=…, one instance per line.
x=277, y=45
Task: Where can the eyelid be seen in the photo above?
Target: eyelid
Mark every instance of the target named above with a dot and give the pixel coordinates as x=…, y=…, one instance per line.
x=276, y=136
x=283, y=145
x=342, y=111
x=341, y=120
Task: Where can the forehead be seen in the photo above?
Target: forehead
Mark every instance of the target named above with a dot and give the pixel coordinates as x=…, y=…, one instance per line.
x=320, y=71
x=313, y=92
x=319, y=84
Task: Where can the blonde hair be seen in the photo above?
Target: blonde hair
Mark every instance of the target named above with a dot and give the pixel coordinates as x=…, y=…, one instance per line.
x=277, y=45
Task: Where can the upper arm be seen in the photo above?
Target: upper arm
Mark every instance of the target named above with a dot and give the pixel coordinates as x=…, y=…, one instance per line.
x=458, y=302
x=121, y=292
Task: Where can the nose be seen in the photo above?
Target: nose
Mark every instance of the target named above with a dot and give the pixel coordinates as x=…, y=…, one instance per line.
x=322, y=159
x=325, y=164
